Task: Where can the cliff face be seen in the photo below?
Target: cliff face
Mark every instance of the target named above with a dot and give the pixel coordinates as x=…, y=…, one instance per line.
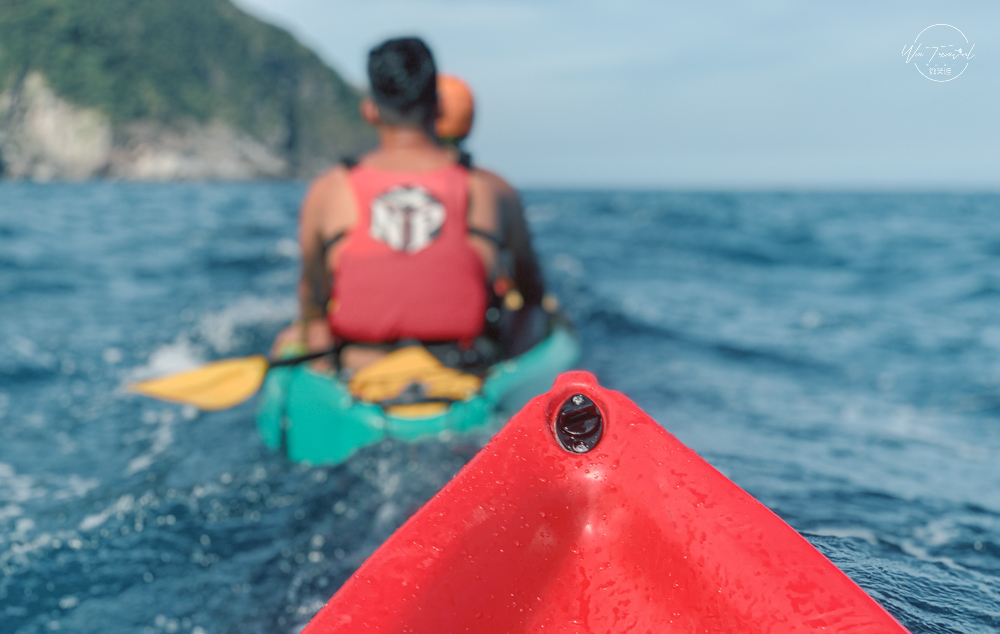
x=153, y=90
x=45, y=137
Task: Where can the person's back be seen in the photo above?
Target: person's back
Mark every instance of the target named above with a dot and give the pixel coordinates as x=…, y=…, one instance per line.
x=406, y=238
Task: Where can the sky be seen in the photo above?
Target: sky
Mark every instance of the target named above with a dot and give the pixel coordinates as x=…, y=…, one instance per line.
x=769, y=94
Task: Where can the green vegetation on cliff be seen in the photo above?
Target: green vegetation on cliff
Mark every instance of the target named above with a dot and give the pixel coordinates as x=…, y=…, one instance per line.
x=184, y=61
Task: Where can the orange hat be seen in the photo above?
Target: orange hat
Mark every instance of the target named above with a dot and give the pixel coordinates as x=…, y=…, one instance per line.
x=457, y=107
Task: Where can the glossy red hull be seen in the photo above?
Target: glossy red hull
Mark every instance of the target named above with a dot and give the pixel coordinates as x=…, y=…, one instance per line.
x=637, y=535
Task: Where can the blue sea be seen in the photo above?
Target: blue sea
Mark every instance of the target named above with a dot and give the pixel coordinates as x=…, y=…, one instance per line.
x=836, y=355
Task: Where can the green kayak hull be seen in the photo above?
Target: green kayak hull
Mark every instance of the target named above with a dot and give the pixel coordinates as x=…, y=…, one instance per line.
x=313, y=417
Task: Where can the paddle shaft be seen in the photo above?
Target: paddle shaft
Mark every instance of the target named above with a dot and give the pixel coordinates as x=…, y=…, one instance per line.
x=306, y=357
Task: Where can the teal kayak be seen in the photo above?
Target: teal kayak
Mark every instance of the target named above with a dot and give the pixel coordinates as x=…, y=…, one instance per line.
x=314, y=418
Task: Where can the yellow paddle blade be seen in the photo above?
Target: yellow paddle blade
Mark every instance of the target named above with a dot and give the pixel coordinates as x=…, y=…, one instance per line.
x=390, y=375
x=417, y=410
x=218, y=385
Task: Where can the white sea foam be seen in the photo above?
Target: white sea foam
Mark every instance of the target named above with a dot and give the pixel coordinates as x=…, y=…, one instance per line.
x=567, y=264
x=112, y=355
x=77, y=487
x=21, y=546
x=29, y=350
x=10, y=511
x=163, y=437
x=845, y=532
x=938, y=532
x=911, y=548
x=24, y=347
x=123, y=505
x=171, y=358
x=219, y=329
x=17, y=488
x=286, y=247
x=541, y=213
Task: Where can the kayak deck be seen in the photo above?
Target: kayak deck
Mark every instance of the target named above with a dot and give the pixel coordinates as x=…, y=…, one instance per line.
x=315, y=419
x=637, y=535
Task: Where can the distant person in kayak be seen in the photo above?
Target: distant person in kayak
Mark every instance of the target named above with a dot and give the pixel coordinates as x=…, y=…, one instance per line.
x=407, y=243
x=521, y=323
x=456, y=111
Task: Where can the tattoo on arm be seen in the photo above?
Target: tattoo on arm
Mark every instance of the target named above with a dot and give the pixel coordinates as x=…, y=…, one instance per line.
x=314, y=284
x=527, y=273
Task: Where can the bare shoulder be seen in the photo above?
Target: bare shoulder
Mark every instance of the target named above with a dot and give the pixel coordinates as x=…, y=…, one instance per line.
x=329, y=204
x=492, y=182
x=325, y=185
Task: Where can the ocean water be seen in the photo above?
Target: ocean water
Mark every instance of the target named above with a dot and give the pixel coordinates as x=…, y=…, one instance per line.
x=836, y=355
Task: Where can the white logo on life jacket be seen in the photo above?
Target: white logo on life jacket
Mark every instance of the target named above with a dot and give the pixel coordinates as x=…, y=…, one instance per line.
x=407, y=218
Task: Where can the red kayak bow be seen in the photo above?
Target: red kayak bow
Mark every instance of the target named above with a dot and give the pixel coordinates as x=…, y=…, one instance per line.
x=584, y=515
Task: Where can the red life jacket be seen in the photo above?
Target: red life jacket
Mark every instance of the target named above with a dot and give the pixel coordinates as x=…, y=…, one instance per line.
x=407, y=269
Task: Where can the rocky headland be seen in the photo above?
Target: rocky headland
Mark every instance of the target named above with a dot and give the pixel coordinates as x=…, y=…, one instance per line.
x=153, y=90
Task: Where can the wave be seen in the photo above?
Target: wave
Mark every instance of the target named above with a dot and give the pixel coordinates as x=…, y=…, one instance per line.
x=621, y=323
